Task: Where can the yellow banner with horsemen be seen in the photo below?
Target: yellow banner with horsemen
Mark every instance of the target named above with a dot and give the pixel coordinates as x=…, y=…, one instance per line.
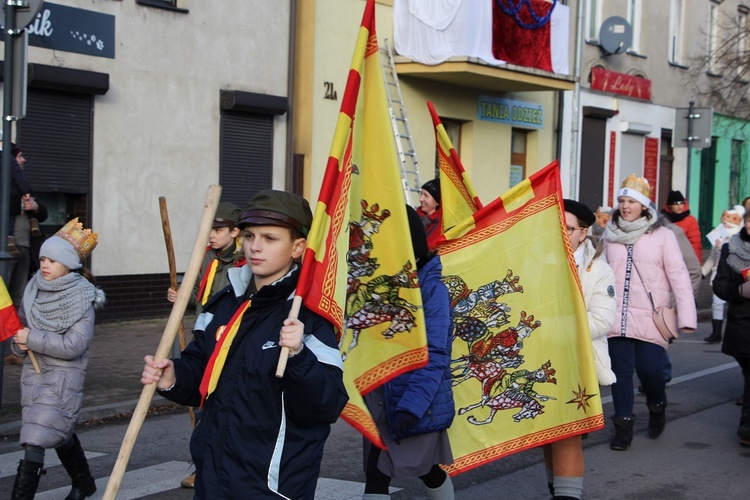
x=522, y=361
x=359, y=270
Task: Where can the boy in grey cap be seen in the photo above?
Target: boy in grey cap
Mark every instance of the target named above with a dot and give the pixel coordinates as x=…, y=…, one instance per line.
x=223, y=252
x=259, y=436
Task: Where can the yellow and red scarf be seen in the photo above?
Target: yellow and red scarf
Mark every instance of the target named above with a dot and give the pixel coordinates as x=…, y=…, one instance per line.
x=204, y=290
x=224, y=337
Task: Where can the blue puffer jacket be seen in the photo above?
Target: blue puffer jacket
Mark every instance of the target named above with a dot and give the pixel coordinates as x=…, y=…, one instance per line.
x=427, y=392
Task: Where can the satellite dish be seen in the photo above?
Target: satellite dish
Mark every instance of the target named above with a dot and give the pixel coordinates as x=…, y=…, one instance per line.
x=615, y=35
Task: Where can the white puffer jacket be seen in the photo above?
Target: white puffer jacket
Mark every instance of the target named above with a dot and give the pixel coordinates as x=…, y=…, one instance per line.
x=598, y=285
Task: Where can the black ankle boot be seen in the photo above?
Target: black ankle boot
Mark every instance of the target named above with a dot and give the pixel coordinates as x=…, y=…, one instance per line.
x=623, y=433
x=715, y=336
x=27, y=480
x=74, y=460
x=657, y=419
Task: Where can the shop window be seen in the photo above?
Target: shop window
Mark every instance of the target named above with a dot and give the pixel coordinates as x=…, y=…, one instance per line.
x=517, y=156
x=56, y=141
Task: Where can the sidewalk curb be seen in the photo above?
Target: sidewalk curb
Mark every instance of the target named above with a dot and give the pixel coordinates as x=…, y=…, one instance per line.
x=90, y=413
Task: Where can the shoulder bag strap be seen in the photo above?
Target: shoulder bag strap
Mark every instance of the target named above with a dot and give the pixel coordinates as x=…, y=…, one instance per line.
x=653, y=307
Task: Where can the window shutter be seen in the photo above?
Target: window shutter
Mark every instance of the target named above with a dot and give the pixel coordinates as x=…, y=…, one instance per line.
x=246, y=155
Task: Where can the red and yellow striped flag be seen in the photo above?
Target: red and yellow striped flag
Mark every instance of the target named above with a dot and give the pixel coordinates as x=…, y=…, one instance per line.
x=522, y=360
x=458, y=198
x=10, y=323
x=364, y=280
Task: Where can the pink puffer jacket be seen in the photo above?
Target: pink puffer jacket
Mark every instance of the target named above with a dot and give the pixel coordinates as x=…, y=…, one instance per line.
x=658, y=258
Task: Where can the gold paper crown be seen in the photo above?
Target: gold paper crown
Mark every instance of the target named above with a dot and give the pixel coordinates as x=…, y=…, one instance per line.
x=640, y=184
x=83, y=240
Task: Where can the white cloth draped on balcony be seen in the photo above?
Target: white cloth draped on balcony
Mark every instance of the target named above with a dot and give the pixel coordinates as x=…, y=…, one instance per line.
x=432, y=31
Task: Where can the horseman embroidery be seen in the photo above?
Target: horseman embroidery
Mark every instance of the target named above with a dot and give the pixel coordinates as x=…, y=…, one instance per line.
x=374, y=300
x=479, y=317
x=517, y=391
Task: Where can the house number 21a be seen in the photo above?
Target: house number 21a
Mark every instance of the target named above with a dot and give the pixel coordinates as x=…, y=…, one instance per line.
x=330, y=93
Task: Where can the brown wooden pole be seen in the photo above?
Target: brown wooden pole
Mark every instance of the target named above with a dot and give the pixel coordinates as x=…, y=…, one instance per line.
x=34, y=361
x=167, y=339
x=170, y=257
x=173, y=278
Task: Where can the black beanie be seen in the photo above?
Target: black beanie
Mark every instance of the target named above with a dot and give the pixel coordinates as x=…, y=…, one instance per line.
x=584, y=213
x=433, y=187
x=418, y=234
x=674, y=197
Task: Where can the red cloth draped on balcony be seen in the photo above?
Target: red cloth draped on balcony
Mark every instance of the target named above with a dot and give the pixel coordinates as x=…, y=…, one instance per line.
x=529, y=47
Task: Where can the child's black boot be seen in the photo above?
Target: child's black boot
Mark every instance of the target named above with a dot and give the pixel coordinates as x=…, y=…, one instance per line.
x=74, y=460
x=27, y=480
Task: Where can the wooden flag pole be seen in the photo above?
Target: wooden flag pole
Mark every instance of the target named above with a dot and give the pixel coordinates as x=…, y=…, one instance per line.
x=36, y=363
x=170, y=257
x=167, y=340
x=173, y=277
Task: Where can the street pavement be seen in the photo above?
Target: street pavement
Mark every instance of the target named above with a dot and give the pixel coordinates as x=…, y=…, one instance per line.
x=113, y=382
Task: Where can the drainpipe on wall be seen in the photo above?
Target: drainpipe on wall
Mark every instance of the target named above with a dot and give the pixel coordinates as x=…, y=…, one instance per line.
x=289, y=172
x=576, y=112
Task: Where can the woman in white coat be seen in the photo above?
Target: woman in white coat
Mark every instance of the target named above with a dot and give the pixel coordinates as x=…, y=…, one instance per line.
x=564, y=459
x=647, y=262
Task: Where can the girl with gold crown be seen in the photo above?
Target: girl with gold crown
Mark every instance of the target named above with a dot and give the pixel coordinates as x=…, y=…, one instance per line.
x=58, y=313
x=645, y=257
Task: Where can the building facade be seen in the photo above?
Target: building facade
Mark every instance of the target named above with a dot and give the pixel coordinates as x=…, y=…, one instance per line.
x=474, y=98
x=632, y=113
x=130, y=100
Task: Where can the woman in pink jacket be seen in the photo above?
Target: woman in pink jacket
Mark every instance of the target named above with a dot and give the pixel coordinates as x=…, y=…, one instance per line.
x=645, y=257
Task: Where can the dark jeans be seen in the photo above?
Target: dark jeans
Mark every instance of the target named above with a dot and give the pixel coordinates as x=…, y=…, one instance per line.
x=18, y=270
x=636, y=356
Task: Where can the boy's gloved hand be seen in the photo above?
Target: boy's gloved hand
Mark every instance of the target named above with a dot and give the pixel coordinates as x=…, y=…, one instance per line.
x=745, y=290
x=402, y=422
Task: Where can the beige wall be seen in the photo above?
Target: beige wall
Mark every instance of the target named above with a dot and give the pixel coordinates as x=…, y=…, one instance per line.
x=156, y=131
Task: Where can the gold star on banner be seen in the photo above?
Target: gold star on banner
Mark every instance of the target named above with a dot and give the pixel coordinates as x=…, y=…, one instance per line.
x=581, y=399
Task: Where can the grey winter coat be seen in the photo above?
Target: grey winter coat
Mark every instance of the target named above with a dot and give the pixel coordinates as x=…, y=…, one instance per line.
x=52, y=400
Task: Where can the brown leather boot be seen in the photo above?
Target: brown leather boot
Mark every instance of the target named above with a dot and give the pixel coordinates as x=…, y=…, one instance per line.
x=36, y=231
x=188, y=482
x=12, y=248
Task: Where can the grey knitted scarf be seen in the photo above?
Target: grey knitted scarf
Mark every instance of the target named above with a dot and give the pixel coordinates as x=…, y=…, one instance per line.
x=628, y=232
x=739, y=253
x=56, y=312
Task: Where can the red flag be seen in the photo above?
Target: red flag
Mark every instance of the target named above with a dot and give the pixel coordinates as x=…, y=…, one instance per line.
x=10, y=323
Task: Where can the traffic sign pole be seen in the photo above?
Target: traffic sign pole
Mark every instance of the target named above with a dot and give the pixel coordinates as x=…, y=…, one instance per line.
x=691, y=108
